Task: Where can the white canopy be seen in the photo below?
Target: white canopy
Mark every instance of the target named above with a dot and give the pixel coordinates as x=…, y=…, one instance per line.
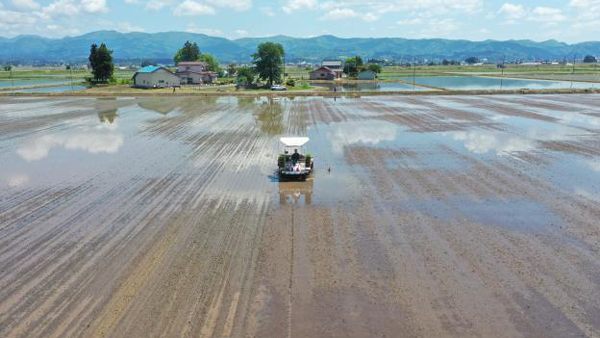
x=294, y=141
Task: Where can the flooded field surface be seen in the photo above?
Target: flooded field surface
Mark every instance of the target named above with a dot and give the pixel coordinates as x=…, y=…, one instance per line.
x=492, y=83
x=441, y=216
x=59, y=89
x=31, y=82
x=369, y=86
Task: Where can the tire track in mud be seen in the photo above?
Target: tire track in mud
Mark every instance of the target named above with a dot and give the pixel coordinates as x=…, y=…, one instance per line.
x=186, y=239
x=148, y=207
x=454, y=276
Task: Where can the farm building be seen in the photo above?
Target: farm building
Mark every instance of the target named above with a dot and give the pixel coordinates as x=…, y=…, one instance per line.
x=195, y=73
x=336, y=66
x=367, y=75
x=155, y=77
x=322, y=73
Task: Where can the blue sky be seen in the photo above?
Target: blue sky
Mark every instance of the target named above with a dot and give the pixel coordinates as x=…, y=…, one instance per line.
x=567, y=20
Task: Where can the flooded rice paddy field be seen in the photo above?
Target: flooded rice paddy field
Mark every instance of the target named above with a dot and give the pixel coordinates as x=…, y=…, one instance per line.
x=7, y=83
x=493, y=83
x=368, y=86
x=442, y=216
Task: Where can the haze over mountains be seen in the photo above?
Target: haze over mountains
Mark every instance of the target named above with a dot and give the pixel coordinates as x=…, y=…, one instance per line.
x=162, y=46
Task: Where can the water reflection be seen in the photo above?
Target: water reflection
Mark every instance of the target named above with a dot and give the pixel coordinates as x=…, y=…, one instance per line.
x=108, y=117
x=491, y=83
x=168, y=105
x=367, y=86
x=270, y=117
x=504, y=143
x=17, y=181
x=296, y=192
x=90, y=141
x=479, y=142
x=367, y=132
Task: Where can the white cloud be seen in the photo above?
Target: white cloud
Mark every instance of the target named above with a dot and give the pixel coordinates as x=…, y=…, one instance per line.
x=347, y=13
x=409, y=22
x=370, y=17
x=339, y=14
x=12, y=22
x=192, y=8
x=155, y=5
x=512, y=11
x=241, y=33
x=94, y=6
x=192, y=28
x=238, y=5
x=547, y=15
x=126, y=27
x=268, y=11
x=25, y=5
x=59, y=8
x=294, y=5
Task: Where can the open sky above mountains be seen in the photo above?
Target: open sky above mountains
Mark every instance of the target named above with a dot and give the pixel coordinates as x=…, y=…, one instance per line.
x=570, y=21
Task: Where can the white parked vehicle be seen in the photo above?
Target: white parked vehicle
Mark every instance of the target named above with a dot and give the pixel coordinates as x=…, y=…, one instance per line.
x=278, y=87
x=294, y=163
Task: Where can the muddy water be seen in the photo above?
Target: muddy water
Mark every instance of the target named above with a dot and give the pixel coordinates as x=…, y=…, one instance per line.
x=426, y=217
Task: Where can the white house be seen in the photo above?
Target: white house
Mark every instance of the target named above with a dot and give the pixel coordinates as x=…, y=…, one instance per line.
x=155, y=77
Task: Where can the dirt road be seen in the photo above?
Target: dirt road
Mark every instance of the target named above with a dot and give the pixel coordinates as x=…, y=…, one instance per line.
x=442, y=216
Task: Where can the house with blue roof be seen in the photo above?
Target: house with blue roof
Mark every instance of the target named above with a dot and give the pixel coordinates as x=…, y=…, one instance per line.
x=155, y=77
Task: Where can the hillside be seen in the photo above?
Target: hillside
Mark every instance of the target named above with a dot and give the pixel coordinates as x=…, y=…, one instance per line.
x=131, y=46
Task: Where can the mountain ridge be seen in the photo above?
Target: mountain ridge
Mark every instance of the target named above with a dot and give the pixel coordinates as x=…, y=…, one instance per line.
x=163, y=45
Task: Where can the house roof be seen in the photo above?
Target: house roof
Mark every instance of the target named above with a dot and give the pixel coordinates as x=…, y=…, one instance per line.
x=148, y=69
x=151, y=69
x=335, y=63
x=324, y=68
x=192, y=63
x=195, y=72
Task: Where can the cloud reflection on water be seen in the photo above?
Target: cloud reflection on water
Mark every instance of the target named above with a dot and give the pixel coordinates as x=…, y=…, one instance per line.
x=371, y=133
x=101, y=139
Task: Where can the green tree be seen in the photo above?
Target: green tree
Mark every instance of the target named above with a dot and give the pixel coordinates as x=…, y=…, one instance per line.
x=374, y=67
x=590, y=59
x=353, y=65
x=7, y=68
x=472, y=60
x=231, y=69
x=213, y=65
x=189, y=52
x=101, y=62
x=268, y=61
x=245, y=75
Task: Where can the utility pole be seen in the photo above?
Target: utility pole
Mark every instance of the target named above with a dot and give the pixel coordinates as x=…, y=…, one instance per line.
x=414, y=72
x=71, y=73
x=573, y=71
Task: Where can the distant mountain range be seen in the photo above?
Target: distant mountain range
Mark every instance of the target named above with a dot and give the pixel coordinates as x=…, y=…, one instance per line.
x=162, y=46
